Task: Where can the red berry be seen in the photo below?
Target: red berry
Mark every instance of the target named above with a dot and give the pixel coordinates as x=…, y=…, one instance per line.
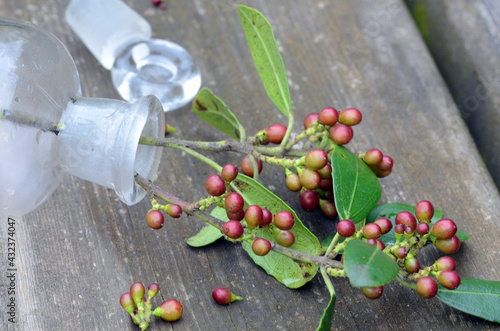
x=423, y=229
x=316, y=159
x=284, y=220
x=385, y=224
x=376, y=242
x=215, y=185
x=371, y=231
x=373, y=292
x=444, y=229
x=448, y=246
x=261, y=246
x=386, y=164
x=223, y=296
x=229, y=172
x=275, y=133
x=401, y=253
x=427, y=287
x=309, y=200
x=310, y=120
x=137, y=291
x=267, y=217
x=326, y=172
x=156, y=3
x=328, y=208
x=247, y=167
x=449, y=279
x=310, y=179
x=155, y=219
x=233, y=229
x=234, y=202
x=127, y=302
x=424, y=211
x=328, y=116
x=399, y=229
x=341, y=134
x=293, y=182
x=346, y=228
x=407, y=219
x=326, y=184
x=253, y=216
x=284, y=238
x=350, y=116
x=236, y=216
x=174, y=210
x=445, y=263
x=170, y=310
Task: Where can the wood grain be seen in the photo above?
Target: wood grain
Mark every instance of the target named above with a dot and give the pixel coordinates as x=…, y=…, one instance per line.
x=83, y=248
x=463, y=38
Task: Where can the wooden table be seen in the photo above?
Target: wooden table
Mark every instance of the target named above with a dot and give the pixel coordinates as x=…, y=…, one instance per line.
x=82, y=249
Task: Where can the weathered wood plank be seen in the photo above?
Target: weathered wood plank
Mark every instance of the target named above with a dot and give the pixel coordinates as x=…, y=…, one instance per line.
x=464, y=40
x=83, y=248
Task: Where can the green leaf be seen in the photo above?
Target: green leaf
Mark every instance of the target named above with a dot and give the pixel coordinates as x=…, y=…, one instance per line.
x=390, y=210
x=367, y=265
x=325, y=323
x=214, y=111
x=266, y=57
x=474, y=296
x=356, y=188
x=284, y=269
x=209, y=234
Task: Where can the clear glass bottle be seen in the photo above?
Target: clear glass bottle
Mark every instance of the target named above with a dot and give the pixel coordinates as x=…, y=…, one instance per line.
x=47, y=128
x=121, y=41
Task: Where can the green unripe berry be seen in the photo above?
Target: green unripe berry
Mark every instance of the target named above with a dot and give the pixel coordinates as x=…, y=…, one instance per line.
x=293, y=182
x=412, y=265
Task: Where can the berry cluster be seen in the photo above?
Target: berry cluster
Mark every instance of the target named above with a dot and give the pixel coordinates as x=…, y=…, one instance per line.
x=140, y=308
x=410, y=237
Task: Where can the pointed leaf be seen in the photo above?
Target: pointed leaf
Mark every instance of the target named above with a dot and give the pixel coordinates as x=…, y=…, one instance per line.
x=356, y=188
x=209, y=234
x=367, y=265
x=266, y=57
x=390, y=210
x=474, y=296
x=284, y=269
x=213, y=111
